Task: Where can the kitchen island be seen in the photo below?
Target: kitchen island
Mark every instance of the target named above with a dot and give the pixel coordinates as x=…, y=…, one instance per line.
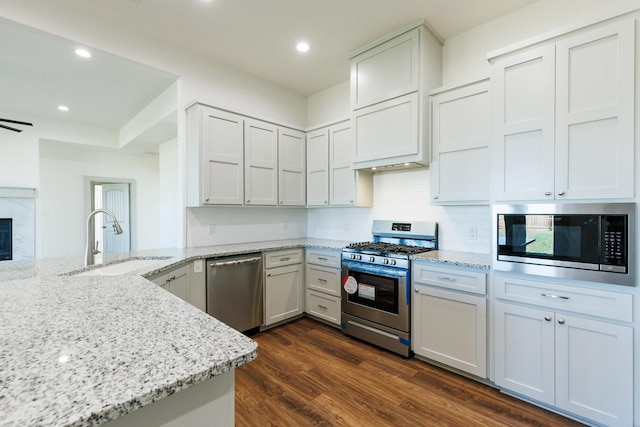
x=88, y=350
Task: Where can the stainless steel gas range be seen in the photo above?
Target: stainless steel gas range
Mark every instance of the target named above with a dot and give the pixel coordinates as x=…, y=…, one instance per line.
x=376, y=297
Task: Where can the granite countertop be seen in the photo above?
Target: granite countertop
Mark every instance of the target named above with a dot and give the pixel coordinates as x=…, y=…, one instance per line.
x=455, y=258
x=82, y=350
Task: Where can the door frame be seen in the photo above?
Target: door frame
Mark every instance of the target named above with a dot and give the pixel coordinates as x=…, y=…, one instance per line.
x=89, y=195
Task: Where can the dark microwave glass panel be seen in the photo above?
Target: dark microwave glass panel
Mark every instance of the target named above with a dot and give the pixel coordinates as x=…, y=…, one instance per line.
x=578, y=238
x=6, y=249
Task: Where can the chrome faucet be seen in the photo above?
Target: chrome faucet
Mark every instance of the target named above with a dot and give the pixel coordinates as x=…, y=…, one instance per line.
x=91, y=235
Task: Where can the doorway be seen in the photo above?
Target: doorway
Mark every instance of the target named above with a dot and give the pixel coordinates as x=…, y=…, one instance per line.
x=116, y=197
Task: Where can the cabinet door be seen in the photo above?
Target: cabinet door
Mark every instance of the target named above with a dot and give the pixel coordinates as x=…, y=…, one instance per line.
x=318, y=168
x=283, y=293
x=292, y=161
x=595, y=113
x=524, y=351
x=451, y=328
x=387, y=130
x=460, y=142
x=175, y=281
x=386, y=71
x=523, y=89
x=260, y=163
x=221, y=157
x=342, y=180
x=594, y=362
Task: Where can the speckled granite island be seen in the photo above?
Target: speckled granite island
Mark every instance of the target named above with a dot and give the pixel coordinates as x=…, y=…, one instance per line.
x=85, y=351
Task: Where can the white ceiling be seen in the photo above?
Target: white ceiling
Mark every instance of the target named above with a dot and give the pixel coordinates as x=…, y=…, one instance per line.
x=256, y=36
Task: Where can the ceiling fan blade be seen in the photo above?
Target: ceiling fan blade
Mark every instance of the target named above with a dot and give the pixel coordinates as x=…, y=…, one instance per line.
x=10, y=128
x=16, y=122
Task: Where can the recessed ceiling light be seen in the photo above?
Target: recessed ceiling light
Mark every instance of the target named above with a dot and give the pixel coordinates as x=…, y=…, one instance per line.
x=83, y=53
x=302, y=47
x=63, y=108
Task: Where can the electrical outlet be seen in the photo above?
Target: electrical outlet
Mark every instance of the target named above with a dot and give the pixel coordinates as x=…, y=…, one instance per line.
x=473, y=233
x=197, y=266
x=284, y=225
x=211, y=229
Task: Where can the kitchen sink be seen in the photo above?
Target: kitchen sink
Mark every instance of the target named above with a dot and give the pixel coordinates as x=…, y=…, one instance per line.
x=122, y=267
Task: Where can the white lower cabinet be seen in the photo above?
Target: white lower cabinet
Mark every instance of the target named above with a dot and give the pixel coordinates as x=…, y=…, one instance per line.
x=578, y=364
x=185, y=283
x=449, y=309
x=283, y=285
x=322, y=278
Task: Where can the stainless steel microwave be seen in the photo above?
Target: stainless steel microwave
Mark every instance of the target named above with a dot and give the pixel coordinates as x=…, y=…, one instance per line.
x=593, y=242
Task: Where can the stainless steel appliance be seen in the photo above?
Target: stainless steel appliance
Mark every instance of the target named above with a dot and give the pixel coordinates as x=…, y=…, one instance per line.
x=376, y=297
x=594, y=242
x=234, y=290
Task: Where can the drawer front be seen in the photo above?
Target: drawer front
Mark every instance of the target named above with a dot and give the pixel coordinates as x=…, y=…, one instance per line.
x=284, y=257
x=323, y=279
x=593, y=302
x=327, y=258
x=448, y=278
x=323, y=306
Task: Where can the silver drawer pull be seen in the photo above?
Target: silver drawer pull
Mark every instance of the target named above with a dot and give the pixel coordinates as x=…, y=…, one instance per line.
x=322, y=280
x=321, y=258
x=285, y=259
x=554, y=296
x=324, y=307
x=448, y=279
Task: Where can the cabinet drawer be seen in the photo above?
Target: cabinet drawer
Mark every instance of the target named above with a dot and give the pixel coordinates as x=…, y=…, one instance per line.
x=461, y=280
x=593, y=302
x=323, y=306
x=327, y=258
x=323, y=279
x=284, y=257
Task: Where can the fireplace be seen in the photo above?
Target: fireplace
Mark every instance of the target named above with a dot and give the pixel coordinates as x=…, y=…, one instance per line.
x=6, y=237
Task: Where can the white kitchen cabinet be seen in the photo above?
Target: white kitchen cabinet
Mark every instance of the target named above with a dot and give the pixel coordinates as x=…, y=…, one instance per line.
x=283, y=285
x=318, y=167
x=449, y=311
x=563, y=117
x=260, y=163
x=389, y=82
x=331, y=179
x=322, y=277
x=460, y=133
x=175, y=281
x=198, y=284
x=291, y=167
x=562, y=355
x=215, y=160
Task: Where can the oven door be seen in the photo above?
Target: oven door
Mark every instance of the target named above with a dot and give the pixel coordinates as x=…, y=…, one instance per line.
x=376, y=293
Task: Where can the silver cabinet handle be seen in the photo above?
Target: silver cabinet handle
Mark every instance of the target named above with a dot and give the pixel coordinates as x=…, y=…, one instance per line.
x=350, y=201
x=435, y=197
x=416, y=290
x=285, y=259
x=554, y=296
x=322, y=280
x=448, y=279
x=325, y=202
x=547, y=193
x=322, y=307
x=322, y=258
x=234, y=262
x=547, y=318
x=561, y=321
x=206, y=200
x=560, y=193
x=248, y=200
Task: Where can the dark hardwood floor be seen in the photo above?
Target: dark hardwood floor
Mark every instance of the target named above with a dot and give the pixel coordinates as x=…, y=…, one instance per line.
x=308, y=373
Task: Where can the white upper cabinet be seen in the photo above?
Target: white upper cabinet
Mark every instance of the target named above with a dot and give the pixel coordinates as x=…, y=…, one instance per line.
x=214, y=157
x=260, y=163
x=291, y=167
x=331, y=180
x=389, y=82
x=563, y=118
x=460, y=134
x=318, y=167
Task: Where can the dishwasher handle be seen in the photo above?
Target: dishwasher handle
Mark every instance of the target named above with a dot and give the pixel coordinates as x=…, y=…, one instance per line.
x=235, y=262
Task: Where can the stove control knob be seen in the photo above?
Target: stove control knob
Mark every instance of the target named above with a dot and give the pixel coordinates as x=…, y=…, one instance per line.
x=393, y=262
x=372, y=259
x=359, y=257
x=386, y=261
x=353, y=256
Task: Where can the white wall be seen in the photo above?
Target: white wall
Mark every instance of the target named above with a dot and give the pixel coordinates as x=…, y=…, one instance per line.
x=228, y=225
x=63, y=168
x=169, y=182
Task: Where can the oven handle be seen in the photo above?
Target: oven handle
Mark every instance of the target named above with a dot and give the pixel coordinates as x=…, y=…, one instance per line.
x=375, y=269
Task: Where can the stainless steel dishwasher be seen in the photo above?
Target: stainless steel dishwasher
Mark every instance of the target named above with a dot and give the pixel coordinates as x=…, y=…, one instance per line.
x=234, y=290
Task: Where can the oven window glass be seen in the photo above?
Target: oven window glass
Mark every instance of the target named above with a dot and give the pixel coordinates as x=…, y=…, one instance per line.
x=375, y=291
x=559, y=237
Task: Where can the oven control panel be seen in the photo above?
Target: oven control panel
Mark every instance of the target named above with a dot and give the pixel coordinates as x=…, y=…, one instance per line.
x=376, y=259
x=400, y=226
